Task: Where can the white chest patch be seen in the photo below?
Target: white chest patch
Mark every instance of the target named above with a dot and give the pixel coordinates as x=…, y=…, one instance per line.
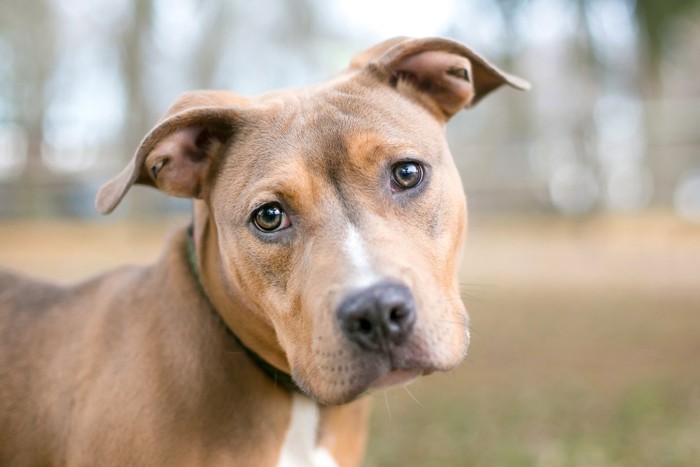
x=299, y=448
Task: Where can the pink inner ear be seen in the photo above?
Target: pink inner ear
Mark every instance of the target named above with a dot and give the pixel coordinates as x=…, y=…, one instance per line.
x=184, y=142
x=178, y=162
x=441, y=76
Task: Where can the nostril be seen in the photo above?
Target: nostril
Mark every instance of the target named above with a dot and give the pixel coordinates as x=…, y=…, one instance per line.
x=364, y=326
x=397, y=314
x=399, y=322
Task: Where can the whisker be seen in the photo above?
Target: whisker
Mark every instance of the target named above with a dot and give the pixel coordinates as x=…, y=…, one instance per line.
x=475, y=292
x=452, y=300
x=472, y=299
x=412, y=396
x=450, y=321
x=478, y=285
x=386, y=399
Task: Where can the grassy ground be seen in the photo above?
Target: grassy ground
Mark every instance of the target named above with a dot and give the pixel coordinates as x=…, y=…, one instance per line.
x=585, y=379
x=585, y=350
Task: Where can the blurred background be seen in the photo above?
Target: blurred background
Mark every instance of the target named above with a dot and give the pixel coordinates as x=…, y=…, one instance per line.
x=582, y=270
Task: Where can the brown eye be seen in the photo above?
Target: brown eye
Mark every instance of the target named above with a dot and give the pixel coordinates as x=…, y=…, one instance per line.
x=271, y=217
x=406, y=175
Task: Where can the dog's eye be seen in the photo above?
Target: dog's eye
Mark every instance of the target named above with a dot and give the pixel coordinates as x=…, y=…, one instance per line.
x=405, y=175
x=271, y=217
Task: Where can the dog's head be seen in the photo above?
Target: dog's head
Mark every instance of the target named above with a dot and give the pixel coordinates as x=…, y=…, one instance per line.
x=329, y=220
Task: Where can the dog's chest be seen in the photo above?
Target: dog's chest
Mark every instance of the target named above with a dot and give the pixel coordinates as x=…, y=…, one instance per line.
x=300, y=444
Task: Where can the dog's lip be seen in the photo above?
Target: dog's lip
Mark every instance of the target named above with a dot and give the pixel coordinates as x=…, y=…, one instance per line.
x=396, y=377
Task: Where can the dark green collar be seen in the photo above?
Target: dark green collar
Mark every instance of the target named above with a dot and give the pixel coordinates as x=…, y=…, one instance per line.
x=278, y=376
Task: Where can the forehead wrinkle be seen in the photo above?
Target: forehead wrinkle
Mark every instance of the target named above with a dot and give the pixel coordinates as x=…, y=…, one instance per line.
x=289, y=181
x=336, y=171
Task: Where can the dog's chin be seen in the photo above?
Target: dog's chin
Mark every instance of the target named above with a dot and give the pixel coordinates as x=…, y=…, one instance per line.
x=373, y=380
x=341, y=380
x=395, y=378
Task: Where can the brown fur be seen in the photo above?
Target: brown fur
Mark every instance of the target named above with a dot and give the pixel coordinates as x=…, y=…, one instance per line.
x=136, y=368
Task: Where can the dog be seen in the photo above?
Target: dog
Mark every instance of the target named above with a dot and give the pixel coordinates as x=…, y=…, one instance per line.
x=321, y=263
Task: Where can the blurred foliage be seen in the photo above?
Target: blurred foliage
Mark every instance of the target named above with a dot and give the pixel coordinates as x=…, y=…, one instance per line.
x=657, y=20
x=136, y=59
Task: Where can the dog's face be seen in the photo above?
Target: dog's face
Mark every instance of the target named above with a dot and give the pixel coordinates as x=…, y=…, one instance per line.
x=347, y=193
x=335, y=215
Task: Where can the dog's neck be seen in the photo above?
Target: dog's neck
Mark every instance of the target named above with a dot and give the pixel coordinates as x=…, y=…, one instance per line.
x=279, y=377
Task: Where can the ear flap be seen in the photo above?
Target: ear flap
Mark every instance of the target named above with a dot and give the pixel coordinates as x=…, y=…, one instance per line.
x=443, y=75
x=179, y=153
x=361, y=59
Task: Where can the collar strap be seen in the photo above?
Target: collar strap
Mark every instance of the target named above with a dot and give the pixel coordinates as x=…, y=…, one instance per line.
x=278, y=376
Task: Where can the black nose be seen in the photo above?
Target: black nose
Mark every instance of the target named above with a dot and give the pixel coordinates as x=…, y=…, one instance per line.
x=378, y=317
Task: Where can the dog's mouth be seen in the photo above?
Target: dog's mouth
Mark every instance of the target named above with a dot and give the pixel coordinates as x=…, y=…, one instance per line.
x=378, y=341
x=347, y=379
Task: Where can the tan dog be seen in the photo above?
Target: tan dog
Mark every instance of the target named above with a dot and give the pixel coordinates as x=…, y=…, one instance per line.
x=328, y=226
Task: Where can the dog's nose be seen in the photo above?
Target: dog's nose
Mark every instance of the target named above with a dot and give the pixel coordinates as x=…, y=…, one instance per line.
x=378, y=317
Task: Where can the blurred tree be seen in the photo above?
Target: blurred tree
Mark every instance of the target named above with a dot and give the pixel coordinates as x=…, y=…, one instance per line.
x=30, y=30
x=135, y=38
x=225, y=35
x=212, y=42
x=658, y=19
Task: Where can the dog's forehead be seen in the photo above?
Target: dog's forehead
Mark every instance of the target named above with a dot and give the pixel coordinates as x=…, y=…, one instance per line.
x=341, y=121
x=297, y=144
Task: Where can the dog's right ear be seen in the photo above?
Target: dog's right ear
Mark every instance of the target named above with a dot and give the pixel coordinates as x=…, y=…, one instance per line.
x=179, y=154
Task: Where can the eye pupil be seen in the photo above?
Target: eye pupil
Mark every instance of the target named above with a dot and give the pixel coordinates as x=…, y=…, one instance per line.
x=269, y=217
x=407, y=174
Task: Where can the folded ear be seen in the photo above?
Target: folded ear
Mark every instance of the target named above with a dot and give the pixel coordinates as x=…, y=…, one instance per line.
x=361, y=59
x=178, y=155
x=443, y=75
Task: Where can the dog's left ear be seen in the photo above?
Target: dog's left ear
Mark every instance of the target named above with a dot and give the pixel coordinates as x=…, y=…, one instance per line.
x=443, y=75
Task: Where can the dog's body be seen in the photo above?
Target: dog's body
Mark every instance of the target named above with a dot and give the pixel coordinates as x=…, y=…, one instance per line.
x=328, y=225
x=134, y=368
